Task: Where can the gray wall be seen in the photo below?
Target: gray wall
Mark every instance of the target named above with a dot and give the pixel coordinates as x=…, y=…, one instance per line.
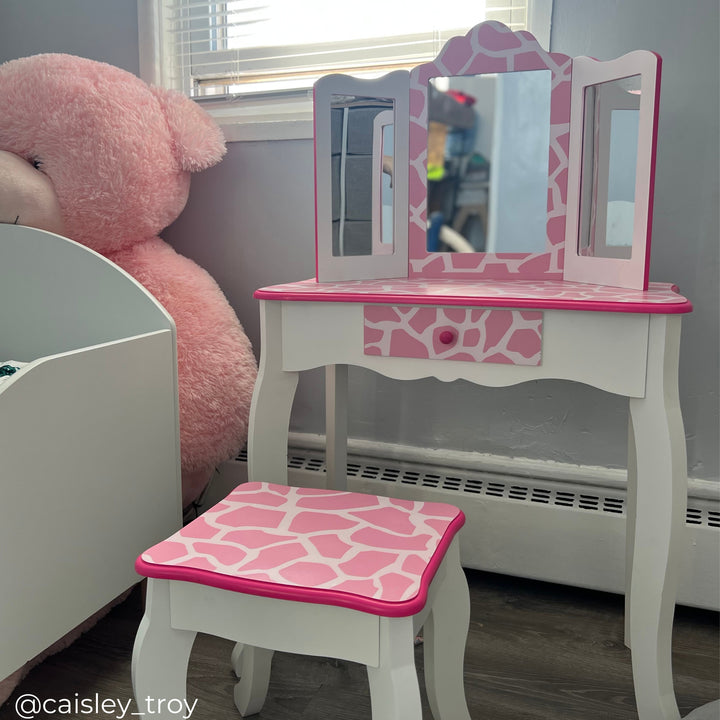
x=250, y=223
x=104, y=30
x=686, y=232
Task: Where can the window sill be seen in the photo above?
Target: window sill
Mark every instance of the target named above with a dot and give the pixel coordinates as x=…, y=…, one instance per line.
x=267, y=130
x=282, y=119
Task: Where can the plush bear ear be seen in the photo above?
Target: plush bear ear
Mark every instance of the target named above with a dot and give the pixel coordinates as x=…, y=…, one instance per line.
x=199, y=142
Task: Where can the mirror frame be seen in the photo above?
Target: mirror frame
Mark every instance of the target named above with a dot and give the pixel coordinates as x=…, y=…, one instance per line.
x=387, y=264
x=490, y=47
x=630, y=273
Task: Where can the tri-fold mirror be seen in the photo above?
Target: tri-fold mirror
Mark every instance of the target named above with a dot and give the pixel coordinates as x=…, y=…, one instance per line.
x=497, y=160
x=361, y=197
x=612, y=170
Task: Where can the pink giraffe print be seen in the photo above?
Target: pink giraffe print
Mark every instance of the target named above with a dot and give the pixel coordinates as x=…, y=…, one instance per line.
x=490, y=47
x=512, y=337
x=366, y=552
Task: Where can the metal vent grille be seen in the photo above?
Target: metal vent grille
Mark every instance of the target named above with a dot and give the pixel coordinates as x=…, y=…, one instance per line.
x=536, y=491
x=529, y=493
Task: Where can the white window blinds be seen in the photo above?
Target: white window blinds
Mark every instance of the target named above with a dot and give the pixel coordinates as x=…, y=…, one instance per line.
x=211, y=49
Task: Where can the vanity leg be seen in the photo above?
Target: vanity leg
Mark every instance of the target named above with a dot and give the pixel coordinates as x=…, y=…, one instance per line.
x=271, y=402
x=660, y=504
x=336, y=394
x=630, y=512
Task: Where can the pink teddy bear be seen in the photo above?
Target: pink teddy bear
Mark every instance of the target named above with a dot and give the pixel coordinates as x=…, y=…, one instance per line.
x=91, y=152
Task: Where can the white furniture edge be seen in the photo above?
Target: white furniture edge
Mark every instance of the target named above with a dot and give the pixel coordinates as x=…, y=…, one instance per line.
x=330, y=267
x=618, y=272
x=89, y=442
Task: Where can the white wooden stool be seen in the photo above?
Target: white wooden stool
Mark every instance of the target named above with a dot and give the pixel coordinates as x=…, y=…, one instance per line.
x=318, y=572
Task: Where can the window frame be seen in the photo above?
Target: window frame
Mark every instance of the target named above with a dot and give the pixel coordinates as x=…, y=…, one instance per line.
x=284, y=115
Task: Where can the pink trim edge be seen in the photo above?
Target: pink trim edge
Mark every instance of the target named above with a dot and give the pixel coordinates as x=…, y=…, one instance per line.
x=311, y=291
x=318, y=596
x=651, y=179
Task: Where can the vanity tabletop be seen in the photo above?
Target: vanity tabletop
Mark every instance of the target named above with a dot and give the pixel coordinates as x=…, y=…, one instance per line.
x=659, y=298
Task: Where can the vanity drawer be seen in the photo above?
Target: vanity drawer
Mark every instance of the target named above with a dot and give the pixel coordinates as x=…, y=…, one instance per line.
x=488, y=335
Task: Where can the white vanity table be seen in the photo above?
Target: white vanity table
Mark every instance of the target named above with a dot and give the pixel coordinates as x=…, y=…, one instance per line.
x=503, y=318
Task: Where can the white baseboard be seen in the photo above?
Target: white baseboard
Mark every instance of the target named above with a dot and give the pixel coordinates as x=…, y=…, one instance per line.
x=535, y=519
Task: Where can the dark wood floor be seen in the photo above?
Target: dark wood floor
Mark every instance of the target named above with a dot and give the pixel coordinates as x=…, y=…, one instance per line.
x=535, y=652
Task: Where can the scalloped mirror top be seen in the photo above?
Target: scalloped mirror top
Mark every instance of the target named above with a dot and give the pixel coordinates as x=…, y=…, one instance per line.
x=491, y=49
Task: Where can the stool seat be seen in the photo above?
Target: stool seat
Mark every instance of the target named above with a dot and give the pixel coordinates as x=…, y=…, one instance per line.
x=329, y=573
x=365, y=552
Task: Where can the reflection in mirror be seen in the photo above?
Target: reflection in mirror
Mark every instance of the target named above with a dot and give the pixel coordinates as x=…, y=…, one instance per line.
x=488, y=157
x=361, y=130
x=609, y=168
x=382, y=190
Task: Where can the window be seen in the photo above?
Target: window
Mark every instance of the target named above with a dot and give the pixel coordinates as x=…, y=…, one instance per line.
x=252, y=63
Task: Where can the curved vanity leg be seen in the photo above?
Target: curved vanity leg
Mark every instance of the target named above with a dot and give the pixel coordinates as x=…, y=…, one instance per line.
x=271, y=403
x=445, y=636
x=252, y=666
x=160, y=655
x=660, y=503
x=267, y=462
x=394, y=688
x=630, y=512
x=336, y=393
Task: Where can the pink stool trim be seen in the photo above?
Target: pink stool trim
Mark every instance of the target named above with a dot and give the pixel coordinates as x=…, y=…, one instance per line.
x=365, y=552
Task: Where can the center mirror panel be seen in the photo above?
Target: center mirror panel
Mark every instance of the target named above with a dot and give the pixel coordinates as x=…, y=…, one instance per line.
x=488, y=193
x=487, y=167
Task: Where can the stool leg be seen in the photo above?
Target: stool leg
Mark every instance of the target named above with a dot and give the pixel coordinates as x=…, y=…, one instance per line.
x=236, y=658
x=252, y=666
x=394, y=689
x=160, y=657
x=445, y=635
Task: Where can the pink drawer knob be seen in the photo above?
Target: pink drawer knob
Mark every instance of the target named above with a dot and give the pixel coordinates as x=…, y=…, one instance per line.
x=447, y=337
